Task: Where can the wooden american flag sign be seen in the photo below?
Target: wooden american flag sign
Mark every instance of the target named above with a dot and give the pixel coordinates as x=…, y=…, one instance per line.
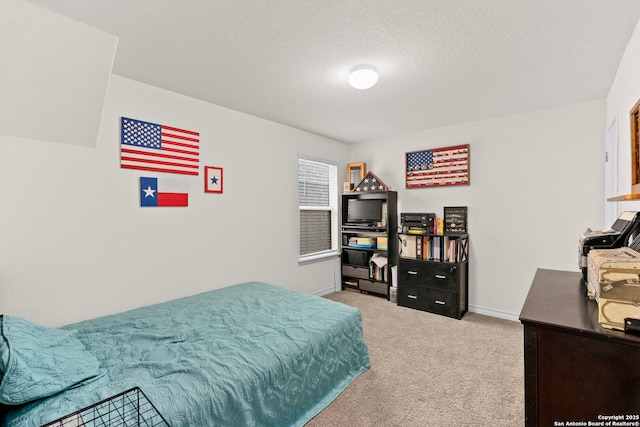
x=438, y=167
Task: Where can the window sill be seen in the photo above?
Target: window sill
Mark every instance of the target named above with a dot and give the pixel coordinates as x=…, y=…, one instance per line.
x=318, y=257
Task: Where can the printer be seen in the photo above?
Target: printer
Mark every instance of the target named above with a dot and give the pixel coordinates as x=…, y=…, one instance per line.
x=621, y=233
x=417, y=223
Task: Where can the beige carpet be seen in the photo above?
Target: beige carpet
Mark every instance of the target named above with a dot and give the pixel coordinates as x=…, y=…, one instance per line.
x=430, y=370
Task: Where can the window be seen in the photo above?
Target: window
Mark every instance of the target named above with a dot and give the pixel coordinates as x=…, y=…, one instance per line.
x=318, y=208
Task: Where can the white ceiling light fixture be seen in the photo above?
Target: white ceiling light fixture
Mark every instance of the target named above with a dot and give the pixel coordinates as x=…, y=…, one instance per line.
x=363, y=76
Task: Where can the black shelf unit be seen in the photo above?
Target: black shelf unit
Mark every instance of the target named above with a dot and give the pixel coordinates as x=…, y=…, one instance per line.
x=433, y=276
x=360, y=263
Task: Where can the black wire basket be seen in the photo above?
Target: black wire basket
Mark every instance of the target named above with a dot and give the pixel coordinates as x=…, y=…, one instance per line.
x=130, y=408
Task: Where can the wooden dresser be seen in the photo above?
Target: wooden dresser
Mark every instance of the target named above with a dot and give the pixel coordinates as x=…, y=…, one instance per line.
x=575, y=370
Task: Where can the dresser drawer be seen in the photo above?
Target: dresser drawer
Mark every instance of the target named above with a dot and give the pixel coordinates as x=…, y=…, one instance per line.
x=432, y=300
x=439, y=275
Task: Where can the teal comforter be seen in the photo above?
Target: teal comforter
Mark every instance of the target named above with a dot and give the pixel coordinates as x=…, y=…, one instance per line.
x=247, y=355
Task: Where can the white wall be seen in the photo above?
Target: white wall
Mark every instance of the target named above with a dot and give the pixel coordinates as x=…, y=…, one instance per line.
x=75, y=244
x=624, y=93
x=536, y=185
x=59, y=60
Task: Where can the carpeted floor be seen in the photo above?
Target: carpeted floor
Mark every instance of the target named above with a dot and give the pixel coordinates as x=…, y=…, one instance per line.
x=430, y=370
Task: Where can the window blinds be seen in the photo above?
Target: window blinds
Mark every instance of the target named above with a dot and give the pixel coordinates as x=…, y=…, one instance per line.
x=318, y=206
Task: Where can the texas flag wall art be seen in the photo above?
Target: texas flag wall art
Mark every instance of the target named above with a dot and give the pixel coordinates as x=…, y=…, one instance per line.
x=158, y=192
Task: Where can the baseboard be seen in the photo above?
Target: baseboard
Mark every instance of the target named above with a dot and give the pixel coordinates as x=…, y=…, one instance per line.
x=325, y=292
x=494, y=313
x=472, y=308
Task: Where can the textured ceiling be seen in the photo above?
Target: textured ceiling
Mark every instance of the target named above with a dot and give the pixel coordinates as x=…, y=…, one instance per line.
x=441, y=62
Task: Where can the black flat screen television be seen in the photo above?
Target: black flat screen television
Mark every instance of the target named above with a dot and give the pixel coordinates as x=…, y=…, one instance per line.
x=362, y=211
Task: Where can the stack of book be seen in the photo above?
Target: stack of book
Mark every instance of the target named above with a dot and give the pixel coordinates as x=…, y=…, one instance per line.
x=432, y=248
x=362, y=242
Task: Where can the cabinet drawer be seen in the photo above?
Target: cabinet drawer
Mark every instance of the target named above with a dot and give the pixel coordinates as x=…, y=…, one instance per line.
x=431, y=300
x=377, y=287
x=359, y=272
x=438, y=275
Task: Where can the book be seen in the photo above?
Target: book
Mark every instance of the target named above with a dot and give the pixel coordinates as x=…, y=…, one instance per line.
x=407, y=246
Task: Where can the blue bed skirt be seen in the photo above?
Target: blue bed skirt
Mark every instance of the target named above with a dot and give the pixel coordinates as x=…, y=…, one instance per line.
x=247, y=355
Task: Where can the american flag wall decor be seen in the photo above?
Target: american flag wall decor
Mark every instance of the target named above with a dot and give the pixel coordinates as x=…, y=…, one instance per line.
x=158, y=148
x=438, y=167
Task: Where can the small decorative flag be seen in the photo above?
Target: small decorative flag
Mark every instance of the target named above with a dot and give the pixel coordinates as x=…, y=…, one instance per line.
x=212, y=179
x=163, y=192
x=159, y=148
x=370, y=183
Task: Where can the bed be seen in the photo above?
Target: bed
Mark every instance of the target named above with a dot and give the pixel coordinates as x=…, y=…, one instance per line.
x=248, y=354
